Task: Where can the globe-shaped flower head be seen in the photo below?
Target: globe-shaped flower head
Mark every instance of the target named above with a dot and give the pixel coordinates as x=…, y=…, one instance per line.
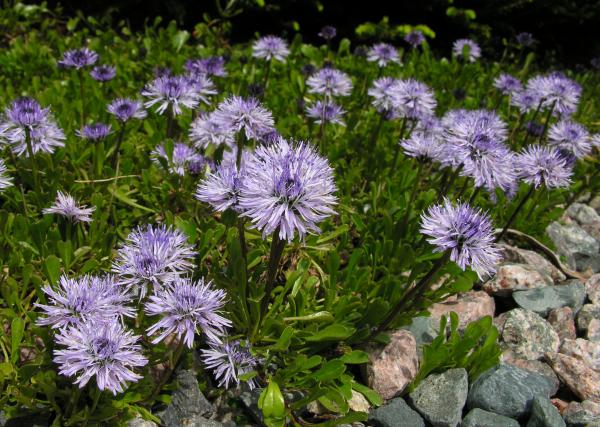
x=415, y=38
x=207, y=130
x=270, y=47
x=182, y=158
x=326, y=112
x=525, y=39
x=5, y=180
x=507, y=84
x=125, y=109
x=543, y=166
x=244, y=114
x=383, y=54
x=103, y=73
x=78, y=58
x=461, y=45
x=288, y=189
x=556, y=92
x=570, y=137
x=203, y=86
x=221, y=188
x=464, y=231
x=104, y=350
x=413, y=99
x=383, y=94
x=229, y=361
x=95, y=132
x=171, y=91
x=328, y=32
x=211, y=66
x=329, y=82
x=65, y=205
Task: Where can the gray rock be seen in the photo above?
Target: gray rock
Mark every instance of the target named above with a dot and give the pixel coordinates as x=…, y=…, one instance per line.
x=528, y=335
x=140, y=422
x=563, y=322
x=583, y=214
x=396, y=413
x=188, y=404
x=250, y=402
x=592, y=287
x=542, y=300
x=507, y=390
x=584, y=414
x=424, y=329
x=536, y=366
x=585, y=316
x=523, y=256
x=544, y=414
x=577, y=245
x=480, y=418
x=440, y=398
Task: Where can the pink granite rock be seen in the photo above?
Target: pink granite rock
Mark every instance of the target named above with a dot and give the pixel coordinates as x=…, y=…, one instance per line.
x=563, y=322
x=593, y=331
x=512, y=254
x=580, y=378
x=469, y=306
x=586, y=351
x=516, y=277
x=592, y=288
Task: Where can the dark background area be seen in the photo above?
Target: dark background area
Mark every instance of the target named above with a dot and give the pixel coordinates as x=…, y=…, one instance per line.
x=568, y=32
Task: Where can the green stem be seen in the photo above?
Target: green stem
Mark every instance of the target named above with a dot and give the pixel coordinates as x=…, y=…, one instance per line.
x=446, y=188
x=277, y=246
x=241, y=140
x=98, y=159
x=547, y=122
x=81, y=95
x=266, y=76
x=514, y=214
x=34, y=168
x=94, y=406
x=413, y=194
x=116, y=153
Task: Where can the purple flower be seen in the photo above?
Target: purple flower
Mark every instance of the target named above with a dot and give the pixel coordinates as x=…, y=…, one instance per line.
x=203, y=86
x=229, y=361
x=595, y=140
x=329, y=82
x=595, y=62
x=84, y=299
x=546, y=166
x=105, y=350
x=507, y=84
x=422, y=146
x=556, y=91
x=383, y=54
x=413, y=99
x=326, y=112
x=382, y=91
x=66, y=206
x=415, y=38
x=207, y=129
x=468, y=47
x=181, y=158
x=187, y=307
x=288, y=188
x=103, y=73
x=78, y=58
x=525, y=39
x=221, y=189
x=525, y=100
x=247, y=114
x=5, y=180
x=94, y=132
x=464, y=231
x=211, y=66
x=270, y=47
x=153, y=255
x=534, y=129
x=327, y=32
x=124, y=109
x=571, y=137
x=26, y=117
x=171, y=91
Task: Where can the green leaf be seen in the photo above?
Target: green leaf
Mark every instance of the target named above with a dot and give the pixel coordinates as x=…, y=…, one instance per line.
x=330, y=370
x=17, y=327
x=334, y=332
x=179, y=39
x=52, y=268
x=371, y=395
x=356, y=357
x=272, y=405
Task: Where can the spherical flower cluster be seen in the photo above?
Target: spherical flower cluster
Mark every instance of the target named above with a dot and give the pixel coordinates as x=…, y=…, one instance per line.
x=181, y=160
x=207, y=129
x=125, y=109
x=383, y=54
x=104, y=350
x=459, y=47
x=203, y=86
x=229, y=361
x=211, y=66
x=5, y=180
x=464, y=231
x=78, y=58
x=94, y=132
x=103, y=73
x=25, y=118
x=570, y=137
x=288, y=189
x=525, y=100
x=557, y=92
x=270, y=47
x=413, y=99
x=507, y=84
x=415, y=38
x=525, y=39
x=187, y=307
x=326, y=112
x=65, y=205
x=244, y=114
x=171, y=92
x=329, y=82
x=328, y=32
x=422, y=146
x=221, y=188
x=383, y=92
x=153, y=256
x=545, y=166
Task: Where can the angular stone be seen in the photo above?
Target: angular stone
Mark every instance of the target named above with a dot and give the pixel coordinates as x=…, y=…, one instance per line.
x=544, y=414
x=516, y=277
x=480, y=418
x=424, y=329
x=593, y=331
x=580, y=378
x=187, y=402
x=393, y=366
x=542, y=300
x=395, y=413
x=593, y=229
x=581, y=250
x=528, y=335
x=586, y=314
x=512, y=254
x=507, y=390
x=586, y=351
x=583, y=214
x=584, y=414
x=469, y=306
x=535, y=366
x=592, y=287
x=563, y=322
x=140, y=422
x=250, y=401
x=358, y=402
x=440, y=398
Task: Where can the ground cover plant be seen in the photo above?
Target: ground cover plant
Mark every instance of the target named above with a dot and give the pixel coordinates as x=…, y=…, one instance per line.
x=264, y=210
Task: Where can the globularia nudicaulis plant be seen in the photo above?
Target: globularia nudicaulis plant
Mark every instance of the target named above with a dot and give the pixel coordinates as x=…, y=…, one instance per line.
x=261, y=211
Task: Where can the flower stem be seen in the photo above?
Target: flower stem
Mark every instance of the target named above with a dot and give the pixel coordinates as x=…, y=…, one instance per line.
x=514, y=214
x=265, y=82
x=97, y=395
x=547, y=122
x=81, y=95
x=34, y=168
x=241, y=140
x=413, y=194
x=115, y=156
x=277, y=246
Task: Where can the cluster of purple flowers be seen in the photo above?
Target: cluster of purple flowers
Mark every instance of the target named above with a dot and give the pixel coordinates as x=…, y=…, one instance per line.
x=175, y=92
x=244, y=114
x=211, y=66
x=415, y=38
x=95, y=132
x=329, y=82
x=383, y=54
x=270, y=47
x=65, y=205
x=403, y=98
x=183, y=158
x=467, y=50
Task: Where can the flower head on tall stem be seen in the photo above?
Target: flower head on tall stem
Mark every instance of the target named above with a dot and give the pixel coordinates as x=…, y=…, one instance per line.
x=221, y=188
x=459, y=47
x=543, y=166
x=413, y=99
x=125, y=109
x=103, y=73
x=507, y=84
x=95, y=132
x=203, y=86
x=383, y=54
x=557, y=92
x=328, y=32
x=153, y=256
x=525, y=39
x=415, y=38
x=329, y=82
x=289, y=188
x=244, y=114
x=101, y=349
x=525, y=100
x=571, y=137
x=382, y=92
x=326, y=112
x=84, y=299
x=211, y=66
x=464, y=231
x=270, y=47
x=186, y=308
x=207, y=130
x=173, y=92
x=422, y=146
x=5, y=179
x=182, y=158
x=229, y=361
x=78, y=58
x=65, y=205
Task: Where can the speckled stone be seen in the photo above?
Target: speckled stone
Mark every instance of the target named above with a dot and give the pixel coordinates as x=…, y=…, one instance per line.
x=528, y=335
x=516, y=277
x=480, y=418
x=544, y=414
x=542, y=300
